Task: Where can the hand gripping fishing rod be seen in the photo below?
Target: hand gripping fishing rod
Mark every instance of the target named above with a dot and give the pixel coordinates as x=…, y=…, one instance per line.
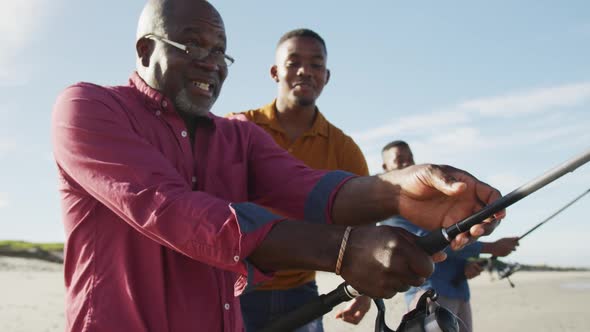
x=432, y=243
x=439, y=239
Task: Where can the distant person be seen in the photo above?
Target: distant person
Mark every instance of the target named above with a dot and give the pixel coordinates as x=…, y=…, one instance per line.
x=297, y=125
x=162, y=200
x=449, y=279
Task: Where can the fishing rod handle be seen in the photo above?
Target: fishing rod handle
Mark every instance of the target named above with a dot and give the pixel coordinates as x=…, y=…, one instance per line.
x=312, y=310
x=434, y=242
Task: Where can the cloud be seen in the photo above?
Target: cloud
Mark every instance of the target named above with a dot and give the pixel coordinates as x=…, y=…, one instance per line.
x=509, y=105
x=463, y=140
x=19, y=21
x=546, y=134
x=470, y=127
x=3, y=200
x=506, y=182
x=408, y=124
x=536, y=100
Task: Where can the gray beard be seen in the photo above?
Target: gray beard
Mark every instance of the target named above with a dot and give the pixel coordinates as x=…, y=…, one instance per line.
x=183, y=103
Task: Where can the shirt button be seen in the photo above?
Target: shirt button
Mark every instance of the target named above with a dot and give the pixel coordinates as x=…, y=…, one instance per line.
x=226, y=306
x=164, y=104
x=236, y=259
x=194, y=179
x=183, y=133
x=158, y=112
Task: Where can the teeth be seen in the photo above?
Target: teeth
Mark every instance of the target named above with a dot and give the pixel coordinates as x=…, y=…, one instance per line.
x=201, y=85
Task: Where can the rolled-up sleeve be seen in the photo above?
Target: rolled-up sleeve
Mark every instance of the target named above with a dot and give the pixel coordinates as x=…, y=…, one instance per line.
x=285, y=184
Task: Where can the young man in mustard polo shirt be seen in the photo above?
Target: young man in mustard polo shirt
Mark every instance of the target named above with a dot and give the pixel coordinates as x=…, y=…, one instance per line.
x=296, y=124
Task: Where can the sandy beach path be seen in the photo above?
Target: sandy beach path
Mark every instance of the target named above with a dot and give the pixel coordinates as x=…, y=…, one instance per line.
x=541, y=301
x=31, y=299
x=31, y=295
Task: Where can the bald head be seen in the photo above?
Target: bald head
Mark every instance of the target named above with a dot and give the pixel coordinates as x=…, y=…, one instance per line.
x=159, y=16
x=192, y=84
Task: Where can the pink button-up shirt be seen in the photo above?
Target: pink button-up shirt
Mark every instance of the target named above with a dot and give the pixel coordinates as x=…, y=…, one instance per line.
x=158, y=232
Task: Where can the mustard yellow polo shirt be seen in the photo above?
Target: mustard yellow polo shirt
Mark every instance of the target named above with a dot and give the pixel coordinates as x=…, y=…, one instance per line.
x=323, y=146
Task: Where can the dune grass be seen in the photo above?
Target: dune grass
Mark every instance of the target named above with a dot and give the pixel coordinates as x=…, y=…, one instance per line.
x=24, y=245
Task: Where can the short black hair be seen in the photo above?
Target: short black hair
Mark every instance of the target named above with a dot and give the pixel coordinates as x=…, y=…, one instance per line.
x=303, y=33
x=395, y=144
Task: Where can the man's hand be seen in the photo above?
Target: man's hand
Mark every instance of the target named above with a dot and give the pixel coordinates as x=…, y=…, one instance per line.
x=434, y=196
x=356, y=310
x=381, y=261
x=472, y=270
x=502, y=247
x=378, y=261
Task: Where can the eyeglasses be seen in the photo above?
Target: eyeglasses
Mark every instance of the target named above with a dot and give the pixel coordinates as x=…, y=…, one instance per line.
x=197, y=52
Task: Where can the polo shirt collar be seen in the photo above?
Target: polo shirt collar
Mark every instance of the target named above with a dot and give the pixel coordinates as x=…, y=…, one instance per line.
x=319, y=127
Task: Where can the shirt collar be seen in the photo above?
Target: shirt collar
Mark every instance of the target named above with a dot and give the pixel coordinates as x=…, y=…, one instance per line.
x=155, y=100
x=319, y=127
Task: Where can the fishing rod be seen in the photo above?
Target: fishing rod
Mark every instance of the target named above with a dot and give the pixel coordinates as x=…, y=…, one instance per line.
x=431, y=243
x=554, y=214
x=511, y=269
x=441, y=238
x=423, y=318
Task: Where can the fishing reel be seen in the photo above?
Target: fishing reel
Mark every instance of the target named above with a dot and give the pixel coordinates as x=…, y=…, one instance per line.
x=424, y=318
x=508, y=271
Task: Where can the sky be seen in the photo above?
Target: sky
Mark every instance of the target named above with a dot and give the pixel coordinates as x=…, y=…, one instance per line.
x=498, y=88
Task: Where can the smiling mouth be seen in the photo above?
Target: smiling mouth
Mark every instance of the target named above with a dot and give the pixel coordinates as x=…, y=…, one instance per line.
x=303, y=85
x=206, y=87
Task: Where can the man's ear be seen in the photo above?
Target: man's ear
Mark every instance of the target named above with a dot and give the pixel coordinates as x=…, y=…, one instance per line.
x=384, y=167
x=327, y=76
x=273, y=73
x=144, y=48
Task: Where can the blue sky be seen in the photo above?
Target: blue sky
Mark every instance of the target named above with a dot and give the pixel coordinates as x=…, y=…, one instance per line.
x=499, y=88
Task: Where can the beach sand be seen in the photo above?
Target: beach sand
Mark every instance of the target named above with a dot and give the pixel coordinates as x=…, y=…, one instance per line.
x=32, y=291
x=540, y=301
x=31, y=295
